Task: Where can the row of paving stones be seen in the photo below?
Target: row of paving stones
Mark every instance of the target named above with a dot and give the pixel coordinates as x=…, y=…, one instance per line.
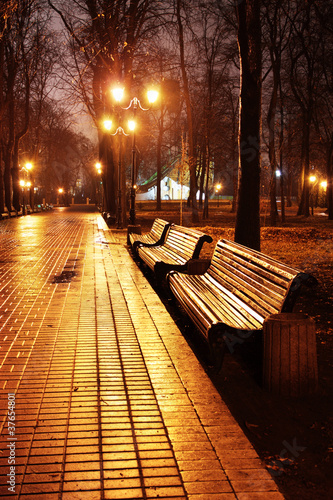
x=110, y=401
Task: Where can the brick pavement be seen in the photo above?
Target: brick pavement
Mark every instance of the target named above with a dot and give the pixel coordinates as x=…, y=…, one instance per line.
x=110, y=401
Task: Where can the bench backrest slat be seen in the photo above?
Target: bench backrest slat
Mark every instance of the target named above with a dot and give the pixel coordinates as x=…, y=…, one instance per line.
x=258, y=257
x=155, y=235
x=184, y=241
x=254, y=278
x=273, y=280
x=244, y=272
x=158, y=228
x=258, y=295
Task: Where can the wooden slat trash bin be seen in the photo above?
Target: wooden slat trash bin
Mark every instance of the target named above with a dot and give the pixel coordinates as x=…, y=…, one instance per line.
x=290, y=354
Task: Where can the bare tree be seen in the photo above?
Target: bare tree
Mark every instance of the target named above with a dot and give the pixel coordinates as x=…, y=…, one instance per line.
x=305, y=74
x=247, y=230
x=104, y=37
x=188, y=104
x=276, y=35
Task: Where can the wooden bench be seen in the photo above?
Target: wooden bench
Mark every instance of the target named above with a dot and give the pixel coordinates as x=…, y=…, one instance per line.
x=156, y=235
x=238, y=291
x=9, y=213
x=5, y=214
x=181, y=244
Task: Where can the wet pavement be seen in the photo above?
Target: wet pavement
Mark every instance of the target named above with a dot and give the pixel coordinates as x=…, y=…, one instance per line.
x=101, y=396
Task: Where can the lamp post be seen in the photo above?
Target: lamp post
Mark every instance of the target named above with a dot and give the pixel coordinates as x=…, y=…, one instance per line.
x=118, y=94
x=218, y=189
x=312, y=179
x=60, y=191
x=323, y=185
x=120, y=131
x=28, y=184
x=29, y=167
x=22, y=184
x=98, y=166
x=132, y=218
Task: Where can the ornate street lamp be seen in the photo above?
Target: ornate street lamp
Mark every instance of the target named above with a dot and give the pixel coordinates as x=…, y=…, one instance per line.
x=27, y=175
x=118, y=94
x=22, y=184
x=120, y=131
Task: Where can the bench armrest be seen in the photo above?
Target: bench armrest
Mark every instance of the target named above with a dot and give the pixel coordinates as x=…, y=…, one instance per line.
x=197, y=266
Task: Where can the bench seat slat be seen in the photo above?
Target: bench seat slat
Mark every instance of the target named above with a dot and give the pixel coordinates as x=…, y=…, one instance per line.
x=226, y=307
x=258, y=309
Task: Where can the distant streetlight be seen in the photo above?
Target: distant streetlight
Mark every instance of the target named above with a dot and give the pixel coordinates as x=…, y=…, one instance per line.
x=218, y=188
x=312, y=178
x=118, y=94
x=323, y=184
x=60, y=192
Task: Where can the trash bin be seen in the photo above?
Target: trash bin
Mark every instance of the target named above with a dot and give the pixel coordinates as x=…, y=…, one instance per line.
x=290, y=366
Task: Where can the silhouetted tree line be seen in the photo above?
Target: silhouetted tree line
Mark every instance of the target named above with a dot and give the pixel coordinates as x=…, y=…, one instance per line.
x=246, y=85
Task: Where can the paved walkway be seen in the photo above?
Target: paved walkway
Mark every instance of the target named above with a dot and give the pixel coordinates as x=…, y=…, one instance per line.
x=101, y=397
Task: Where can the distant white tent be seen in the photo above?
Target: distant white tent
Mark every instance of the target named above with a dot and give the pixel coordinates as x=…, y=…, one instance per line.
x=174, y=183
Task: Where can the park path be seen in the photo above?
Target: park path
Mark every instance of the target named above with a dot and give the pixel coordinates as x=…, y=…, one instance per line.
x=101, y=396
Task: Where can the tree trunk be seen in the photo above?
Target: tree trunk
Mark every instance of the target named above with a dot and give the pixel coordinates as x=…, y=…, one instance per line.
x=159, y=162
x=206, y=204
x=191, y=157
x=271, y=141
x=247, y=231
x=304, y=205
x=235, y=171
x=329, y=170
x=18, y=137
x=2, y=201
x=8, y=151
x=202, y=171
x=281, y=138
x=16, y=176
